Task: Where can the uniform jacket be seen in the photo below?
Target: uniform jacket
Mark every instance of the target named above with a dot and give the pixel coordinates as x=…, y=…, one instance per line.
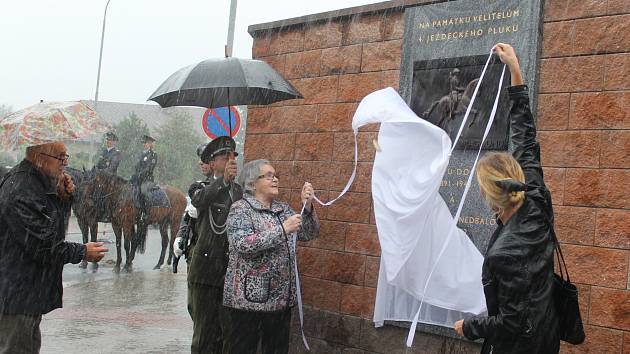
x=261, y=269
x=518, y=269
x=209, y=252
x=145, y=166
x=33, y=250
x=109, y=161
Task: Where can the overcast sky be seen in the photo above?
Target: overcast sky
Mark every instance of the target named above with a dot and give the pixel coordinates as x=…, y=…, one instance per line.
x=49, y=48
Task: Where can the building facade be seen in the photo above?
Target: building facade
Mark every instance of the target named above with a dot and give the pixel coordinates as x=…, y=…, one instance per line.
x=334, y=59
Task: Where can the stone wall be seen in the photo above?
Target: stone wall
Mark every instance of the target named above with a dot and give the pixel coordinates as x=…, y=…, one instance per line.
x=335, y=59
x=584, y=117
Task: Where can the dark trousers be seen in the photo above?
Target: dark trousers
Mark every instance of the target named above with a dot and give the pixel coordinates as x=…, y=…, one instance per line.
x=140, y=193
x=19, y=334
x=242, y=330
x=204, y=306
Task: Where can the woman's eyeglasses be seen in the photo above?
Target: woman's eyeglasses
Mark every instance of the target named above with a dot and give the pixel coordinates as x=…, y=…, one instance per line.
x=269, y=176
x=62, y=158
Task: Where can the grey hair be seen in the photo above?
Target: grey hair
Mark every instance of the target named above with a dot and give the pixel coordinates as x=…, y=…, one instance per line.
x=250, y=173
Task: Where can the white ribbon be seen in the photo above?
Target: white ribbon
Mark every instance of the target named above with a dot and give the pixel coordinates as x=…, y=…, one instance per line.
x=352, y=176
x=485, y=135
x=298, y=291
x=414, y=323
x=297, y=274
x=472, y=100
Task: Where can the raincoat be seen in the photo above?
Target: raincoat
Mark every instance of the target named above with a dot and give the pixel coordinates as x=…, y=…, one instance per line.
x=33, y=250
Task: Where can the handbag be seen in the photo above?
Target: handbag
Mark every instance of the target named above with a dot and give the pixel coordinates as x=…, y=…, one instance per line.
x=570, y=327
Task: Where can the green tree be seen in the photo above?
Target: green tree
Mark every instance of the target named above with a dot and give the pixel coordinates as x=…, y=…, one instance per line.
x=176, y=149
x=129, y=131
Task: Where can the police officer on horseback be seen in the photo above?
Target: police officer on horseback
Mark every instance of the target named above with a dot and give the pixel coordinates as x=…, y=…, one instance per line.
x=142, y=179
x=110, y=155
x=212, y=198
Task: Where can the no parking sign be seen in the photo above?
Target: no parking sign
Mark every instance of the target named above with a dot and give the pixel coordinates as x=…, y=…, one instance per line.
x=215, y=121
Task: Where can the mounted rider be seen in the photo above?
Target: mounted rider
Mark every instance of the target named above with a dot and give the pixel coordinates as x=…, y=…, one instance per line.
x=142, y=179
x=110, y=155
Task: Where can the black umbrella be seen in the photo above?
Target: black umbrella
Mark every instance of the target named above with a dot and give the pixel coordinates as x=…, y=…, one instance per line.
x=224, y=82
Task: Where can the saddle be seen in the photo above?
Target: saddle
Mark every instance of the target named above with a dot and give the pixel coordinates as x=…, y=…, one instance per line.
x=154, y=196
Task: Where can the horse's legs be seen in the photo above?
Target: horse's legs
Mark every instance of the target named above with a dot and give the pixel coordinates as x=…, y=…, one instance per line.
x=83, y=225
x=164, y=234
x=128, y=232
x=93, y=231
x=138, y=230
x=93, y=238
x=118, y=232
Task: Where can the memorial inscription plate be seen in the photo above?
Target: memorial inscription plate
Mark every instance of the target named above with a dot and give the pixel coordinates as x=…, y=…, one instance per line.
x=445, y=48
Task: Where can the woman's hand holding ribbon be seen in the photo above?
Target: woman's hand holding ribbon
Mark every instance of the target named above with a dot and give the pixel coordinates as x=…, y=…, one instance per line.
x=307, y=196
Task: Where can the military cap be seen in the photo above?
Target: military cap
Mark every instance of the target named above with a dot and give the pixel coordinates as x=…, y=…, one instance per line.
x=220, y=145
x=111, y=136
x=147, y=138
x=200, y=149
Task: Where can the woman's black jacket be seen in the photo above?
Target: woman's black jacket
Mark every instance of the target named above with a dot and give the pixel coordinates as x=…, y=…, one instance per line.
x=517, y=272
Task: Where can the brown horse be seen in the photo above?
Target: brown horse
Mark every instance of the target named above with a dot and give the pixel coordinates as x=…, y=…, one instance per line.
x=124, y=215
x=83, y=208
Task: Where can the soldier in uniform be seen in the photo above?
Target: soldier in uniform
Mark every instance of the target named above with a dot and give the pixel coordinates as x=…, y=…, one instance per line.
x=187, y=234
x=110, y=155
x=142, y=179
x=213, y=199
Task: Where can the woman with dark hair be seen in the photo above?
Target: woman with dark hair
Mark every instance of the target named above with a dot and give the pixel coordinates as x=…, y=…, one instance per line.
x=518, y=269
x=260, y=282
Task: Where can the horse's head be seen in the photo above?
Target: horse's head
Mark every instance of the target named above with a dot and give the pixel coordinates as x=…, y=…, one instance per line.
x=89, y=174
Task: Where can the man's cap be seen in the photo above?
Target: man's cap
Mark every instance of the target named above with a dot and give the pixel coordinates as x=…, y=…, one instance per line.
x=200, y=149
x=220, y=145
x=111, y=136
x=147, y=138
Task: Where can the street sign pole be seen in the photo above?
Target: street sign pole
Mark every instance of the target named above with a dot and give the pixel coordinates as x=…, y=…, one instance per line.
x=230, y=34
x=100, y=57
x=228, y=53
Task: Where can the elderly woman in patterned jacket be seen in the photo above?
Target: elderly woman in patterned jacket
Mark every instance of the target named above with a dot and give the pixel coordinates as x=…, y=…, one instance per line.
x=260, y=283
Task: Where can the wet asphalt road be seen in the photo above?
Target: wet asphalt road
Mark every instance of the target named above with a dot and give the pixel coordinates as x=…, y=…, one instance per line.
x=103, y=312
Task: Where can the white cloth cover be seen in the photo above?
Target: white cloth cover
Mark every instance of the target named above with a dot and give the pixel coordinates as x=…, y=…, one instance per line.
x=414, y=223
